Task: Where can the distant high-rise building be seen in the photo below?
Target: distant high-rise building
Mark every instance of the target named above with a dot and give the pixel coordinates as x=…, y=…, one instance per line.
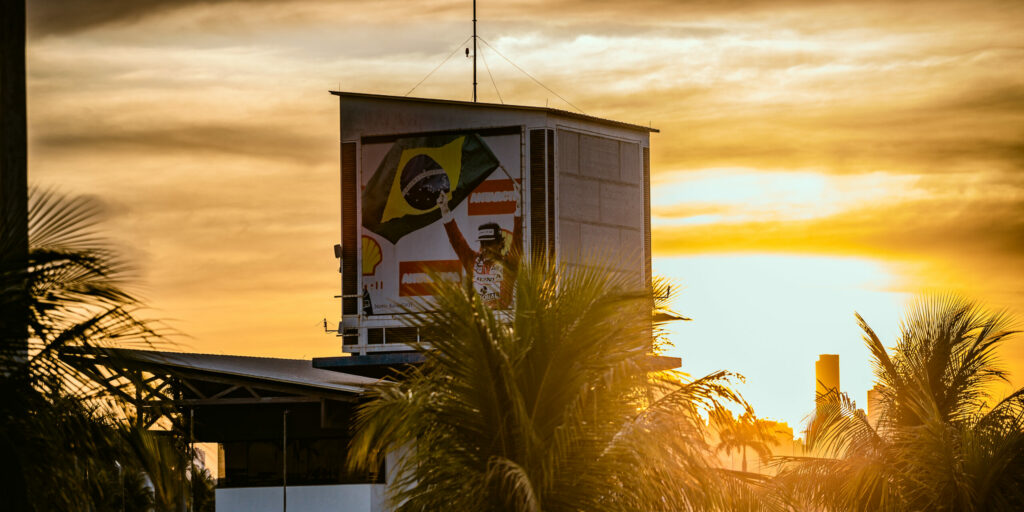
x=826, y=374
x=874, y=404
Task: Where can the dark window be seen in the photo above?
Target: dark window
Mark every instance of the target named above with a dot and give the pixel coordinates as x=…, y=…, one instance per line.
x=551, y=193
x=401, y=335
x=310, y=462
x=538, y=195
x=350, y=337
x=375, y=336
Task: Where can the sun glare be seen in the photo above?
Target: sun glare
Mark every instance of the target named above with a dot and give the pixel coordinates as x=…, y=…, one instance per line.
x=741, y=195
x=768, y=316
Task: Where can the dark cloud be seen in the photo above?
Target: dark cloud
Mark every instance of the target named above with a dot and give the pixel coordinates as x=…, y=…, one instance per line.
x=47, y=17
x=981, y=128
x=1007, y=99
x=249, y=140
x=955, y=225
x=780, y=148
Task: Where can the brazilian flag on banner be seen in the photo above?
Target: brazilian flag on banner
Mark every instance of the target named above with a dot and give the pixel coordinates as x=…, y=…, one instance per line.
x=401, y=196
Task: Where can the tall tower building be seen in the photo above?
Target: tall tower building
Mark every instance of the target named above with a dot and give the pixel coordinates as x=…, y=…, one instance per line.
x=874, y=404
x=826, y=374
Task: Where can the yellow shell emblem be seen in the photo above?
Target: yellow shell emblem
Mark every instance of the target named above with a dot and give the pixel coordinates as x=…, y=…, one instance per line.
x=371, y=256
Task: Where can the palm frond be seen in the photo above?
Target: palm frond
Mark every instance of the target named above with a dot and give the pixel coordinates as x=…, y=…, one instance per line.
x=550, y=407
x=67, y=430
x=937, y=444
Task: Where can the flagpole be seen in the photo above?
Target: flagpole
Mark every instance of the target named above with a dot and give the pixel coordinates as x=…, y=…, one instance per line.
x=515, y=182
x=504, y=170
x=474, y=51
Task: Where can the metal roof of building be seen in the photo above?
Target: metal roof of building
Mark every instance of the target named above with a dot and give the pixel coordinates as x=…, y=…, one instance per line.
x=293, y=372
x=549, y=110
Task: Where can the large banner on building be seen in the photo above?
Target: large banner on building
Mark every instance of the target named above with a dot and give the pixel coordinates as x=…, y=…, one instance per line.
x=446, y=204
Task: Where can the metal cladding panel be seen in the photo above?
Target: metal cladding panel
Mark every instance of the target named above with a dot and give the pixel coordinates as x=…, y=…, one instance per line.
x=603, y=201
x=568, y=152
x=629, y=170
x=349, y=229
x=599, y=157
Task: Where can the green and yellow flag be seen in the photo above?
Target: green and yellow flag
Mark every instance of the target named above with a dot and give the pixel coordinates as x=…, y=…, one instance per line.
x=401, y=196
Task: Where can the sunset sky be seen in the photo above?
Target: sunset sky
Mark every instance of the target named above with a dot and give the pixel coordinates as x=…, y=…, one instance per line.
x=815, y=159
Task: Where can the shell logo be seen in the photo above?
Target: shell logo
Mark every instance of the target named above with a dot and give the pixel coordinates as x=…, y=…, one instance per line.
x=371, y=256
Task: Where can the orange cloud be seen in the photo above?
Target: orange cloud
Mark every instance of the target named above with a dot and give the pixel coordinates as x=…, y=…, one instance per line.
x=209, y=127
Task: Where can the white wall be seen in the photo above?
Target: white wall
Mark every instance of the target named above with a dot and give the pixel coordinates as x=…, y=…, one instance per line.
x=306, y=498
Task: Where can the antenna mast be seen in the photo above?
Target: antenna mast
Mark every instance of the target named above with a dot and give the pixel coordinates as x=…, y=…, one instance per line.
x=474, y=51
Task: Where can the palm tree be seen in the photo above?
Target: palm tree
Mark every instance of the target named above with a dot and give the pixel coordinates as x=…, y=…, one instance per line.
x=64, y=442
x=162, y=459
x=940, y=442
x=738, y=434
x=13, y=186
x=75, y=283
x=73, y=456
x=550, y=406
x=13, y=230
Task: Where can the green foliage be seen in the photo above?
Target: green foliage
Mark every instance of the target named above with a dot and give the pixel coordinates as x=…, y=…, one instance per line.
x=549, y=407
x=940, y=443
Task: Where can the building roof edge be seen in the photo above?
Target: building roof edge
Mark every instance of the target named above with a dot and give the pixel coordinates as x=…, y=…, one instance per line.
x=548, y=110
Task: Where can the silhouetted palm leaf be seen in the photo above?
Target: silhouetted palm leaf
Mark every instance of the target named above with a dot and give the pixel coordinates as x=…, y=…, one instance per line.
x=738, y=434
x=66, y=435
x=75, y=283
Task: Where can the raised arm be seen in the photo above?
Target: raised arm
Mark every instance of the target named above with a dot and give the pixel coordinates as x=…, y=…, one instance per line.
x=462, y=250
x=515, y=253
